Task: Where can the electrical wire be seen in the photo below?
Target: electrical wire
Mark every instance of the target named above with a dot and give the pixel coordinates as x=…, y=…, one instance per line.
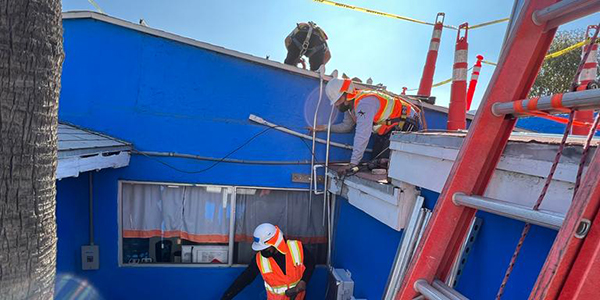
x=217, y=161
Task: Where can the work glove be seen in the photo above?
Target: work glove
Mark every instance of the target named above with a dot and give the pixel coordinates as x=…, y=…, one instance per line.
x=293, y=292
x=349, y=170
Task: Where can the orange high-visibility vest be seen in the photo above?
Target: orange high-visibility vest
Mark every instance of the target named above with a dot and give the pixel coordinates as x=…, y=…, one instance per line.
x=276, y=283
x=392, y=111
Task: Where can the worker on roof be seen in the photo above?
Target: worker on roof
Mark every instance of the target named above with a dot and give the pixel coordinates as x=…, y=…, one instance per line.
x=309, y=40
x=285, y=265
x=370, y=112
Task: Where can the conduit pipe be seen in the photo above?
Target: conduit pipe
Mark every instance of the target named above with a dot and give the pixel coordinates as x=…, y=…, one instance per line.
x=314, y=136
x=261, y=121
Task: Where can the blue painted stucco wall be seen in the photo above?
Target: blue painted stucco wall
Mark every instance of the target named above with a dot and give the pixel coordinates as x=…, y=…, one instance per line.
x=161, y=95
x=72, y=230
x=365, y=247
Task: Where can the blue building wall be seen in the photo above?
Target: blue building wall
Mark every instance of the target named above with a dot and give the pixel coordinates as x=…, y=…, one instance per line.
x=72, y=229
x=162, y=95
x=365, y=247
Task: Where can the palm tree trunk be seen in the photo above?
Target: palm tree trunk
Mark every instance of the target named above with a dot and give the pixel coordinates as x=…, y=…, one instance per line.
x=31, y=56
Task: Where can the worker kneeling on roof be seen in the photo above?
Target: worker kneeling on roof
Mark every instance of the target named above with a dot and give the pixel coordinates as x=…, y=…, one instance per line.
x=286, y=266
x=372, y=112
x=309, y=40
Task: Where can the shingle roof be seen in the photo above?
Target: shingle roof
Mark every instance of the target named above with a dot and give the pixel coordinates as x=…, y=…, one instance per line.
x=73, y=141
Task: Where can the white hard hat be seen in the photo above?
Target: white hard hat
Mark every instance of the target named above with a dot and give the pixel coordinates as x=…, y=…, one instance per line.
x=265, y=233
x=335, y=88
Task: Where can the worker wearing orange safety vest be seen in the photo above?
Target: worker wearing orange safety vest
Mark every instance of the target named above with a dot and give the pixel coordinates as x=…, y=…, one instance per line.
x=372, y=112
x=285, y=266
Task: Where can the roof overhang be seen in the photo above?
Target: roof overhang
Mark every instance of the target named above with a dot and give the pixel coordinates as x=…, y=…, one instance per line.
x=81, y=150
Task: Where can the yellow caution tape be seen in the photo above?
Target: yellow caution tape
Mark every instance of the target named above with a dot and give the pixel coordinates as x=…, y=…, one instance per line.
x=384, y=14
x=435, y=84
x=567, y=50
x=379, y=13
x=553, y=54
x=96, y=6
x=488, y=23
x=442, y=82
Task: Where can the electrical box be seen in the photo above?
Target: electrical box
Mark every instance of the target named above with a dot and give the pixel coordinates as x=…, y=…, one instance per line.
x=204, y=254
x=340, y=285
x=90, y=257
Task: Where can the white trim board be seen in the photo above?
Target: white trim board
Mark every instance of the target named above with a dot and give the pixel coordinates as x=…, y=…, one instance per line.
x=518, y=178
x=73, y=166
x=392, y=209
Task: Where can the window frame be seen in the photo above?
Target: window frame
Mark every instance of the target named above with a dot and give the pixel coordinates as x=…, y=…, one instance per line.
x=232, y=214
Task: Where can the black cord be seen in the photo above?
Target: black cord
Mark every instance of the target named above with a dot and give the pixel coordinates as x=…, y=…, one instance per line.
x=215, y=163
x=309, y=149
x=226, y=156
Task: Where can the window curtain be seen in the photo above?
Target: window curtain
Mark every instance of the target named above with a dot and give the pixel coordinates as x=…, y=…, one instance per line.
x=192, y=213
x=289, y=210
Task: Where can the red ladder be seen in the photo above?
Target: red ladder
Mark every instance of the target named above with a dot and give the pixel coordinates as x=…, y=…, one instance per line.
x=520, y=61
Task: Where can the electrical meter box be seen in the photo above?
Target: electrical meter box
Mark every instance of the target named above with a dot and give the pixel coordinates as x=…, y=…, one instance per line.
x=90, y=257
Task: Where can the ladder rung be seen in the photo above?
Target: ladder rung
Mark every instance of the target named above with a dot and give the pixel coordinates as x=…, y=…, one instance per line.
x=588, y=99
x=510, y=210
x=448, y=291
x=434, y=293
x=564, y=11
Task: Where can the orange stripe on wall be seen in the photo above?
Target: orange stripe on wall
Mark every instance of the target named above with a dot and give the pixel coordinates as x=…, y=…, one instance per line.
x=209, y=238
x=198, y=238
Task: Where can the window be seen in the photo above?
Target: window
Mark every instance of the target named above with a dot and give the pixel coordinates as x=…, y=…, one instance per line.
x=192, y=224
x=289, y=210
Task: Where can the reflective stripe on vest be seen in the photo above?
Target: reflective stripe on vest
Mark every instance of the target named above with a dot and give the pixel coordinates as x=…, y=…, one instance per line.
x=280, y=290
x=265, y=265
x=295, y=251
x=389, y=108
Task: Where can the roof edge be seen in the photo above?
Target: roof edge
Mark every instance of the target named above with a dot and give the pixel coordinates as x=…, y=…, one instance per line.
x=124, y=143
x=163, y=34
x=71, y=15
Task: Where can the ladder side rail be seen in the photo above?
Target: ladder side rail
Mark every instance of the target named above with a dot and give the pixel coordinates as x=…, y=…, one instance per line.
x=567, y=246
x=581, y=282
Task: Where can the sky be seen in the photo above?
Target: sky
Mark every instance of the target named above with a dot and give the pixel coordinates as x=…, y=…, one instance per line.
x=389, y=51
